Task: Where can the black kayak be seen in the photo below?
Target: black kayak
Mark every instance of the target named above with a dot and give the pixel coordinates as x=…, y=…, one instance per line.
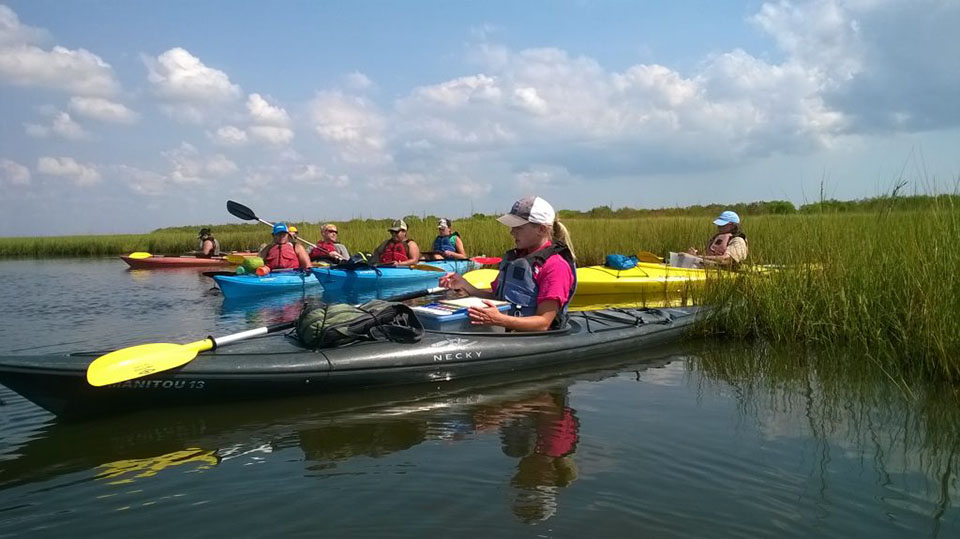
x=277, y=365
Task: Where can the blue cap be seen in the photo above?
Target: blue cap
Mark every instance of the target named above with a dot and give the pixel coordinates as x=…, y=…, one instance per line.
x=727, y=217
x=280, y=227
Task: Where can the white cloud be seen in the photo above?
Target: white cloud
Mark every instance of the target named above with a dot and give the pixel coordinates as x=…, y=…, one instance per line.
x=352, y=125
x=271, y=134
x=263, y=113
x=188, y=166
x=219, y=165
x=13, y=32
x=83, y=175
x=144, y=182
x=11, y=172
x=357, y=81
x=180, y=76
x=103, y=110
x=75, y=71
x=313, y=174
x=61, y=125
x=229, y=135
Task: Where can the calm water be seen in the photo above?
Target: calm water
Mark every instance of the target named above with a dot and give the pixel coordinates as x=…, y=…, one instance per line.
x=697, y=440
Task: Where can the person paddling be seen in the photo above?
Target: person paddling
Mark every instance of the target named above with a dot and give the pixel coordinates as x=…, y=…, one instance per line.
x=398, y=250
x=283, y=253
x=447, y=245
x=328, y=249
x=208, y=246
x=538, y=276
x=728, y=247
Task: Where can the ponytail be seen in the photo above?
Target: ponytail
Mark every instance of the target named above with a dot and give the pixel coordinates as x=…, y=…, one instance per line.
x=562, y=235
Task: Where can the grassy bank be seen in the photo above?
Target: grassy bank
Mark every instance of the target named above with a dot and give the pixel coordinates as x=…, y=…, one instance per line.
x=883, y=281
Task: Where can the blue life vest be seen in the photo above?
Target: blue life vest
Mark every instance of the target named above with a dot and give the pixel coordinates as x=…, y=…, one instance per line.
x=515, y=282
x=444, y=244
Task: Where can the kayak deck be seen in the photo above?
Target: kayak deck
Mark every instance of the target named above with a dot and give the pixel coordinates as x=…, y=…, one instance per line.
x=278, y=366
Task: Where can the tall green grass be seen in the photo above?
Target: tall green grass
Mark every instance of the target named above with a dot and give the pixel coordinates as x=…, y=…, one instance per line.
x=884, y=283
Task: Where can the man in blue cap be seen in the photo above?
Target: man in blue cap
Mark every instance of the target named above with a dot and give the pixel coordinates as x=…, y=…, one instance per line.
x=284, y=253
x=728, y=247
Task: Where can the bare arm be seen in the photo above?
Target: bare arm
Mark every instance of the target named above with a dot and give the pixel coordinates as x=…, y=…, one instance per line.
x=413, y=251
x=461, y=252
x=454, y=281
x=303, y=257
x=491, y=316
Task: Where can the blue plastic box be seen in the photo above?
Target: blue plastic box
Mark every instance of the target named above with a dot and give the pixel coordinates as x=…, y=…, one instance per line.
x=442, y=317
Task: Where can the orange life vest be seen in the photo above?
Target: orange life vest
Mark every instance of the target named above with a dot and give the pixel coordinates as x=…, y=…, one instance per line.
x=282, y=256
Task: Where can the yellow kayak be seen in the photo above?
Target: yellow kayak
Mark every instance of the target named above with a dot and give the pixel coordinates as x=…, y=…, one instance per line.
x=604, y=281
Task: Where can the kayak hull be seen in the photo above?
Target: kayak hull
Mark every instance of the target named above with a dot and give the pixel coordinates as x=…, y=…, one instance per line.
x=276, y=366
x=248, y=285
x=173, y=262
x=333, y=278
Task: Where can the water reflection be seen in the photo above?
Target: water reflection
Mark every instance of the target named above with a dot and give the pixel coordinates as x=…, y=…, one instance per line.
x=532, y=418
x=906, y=433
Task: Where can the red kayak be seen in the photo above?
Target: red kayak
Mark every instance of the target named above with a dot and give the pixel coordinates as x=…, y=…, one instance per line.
x=159, y=261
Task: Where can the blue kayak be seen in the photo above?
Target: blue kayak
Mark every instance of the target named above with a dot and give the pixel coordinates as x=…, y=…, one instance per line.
x=334, y=278
x=239, y=286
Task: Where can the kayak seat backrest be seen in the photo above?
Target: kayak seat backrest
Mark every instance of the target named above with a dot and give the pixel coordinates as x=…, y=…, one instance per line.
x=337, y=324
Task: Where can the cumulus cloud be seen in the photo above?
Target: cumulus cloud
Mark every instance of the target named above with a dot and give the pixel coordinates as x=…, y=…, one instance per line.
x=61, y=125
x=357, y=81
x=352, y=125
x=75, y=71
x=82, y=175
x=229, y=135
x=13, y=32
x=313, y=174
x=103, y=110
x=177, y=74
x=144, y=182
x=263, y=113
x=188, y=166
x=271, y=134
x=11, y=172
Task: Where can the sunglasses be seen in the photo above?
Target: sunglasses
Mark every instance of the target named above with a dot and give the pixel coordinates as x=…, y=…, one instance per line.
x=333, y=231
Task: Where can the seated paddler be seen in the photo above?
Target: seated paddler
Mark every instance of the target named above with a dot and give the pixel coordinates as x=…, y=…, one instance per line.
x=728, y=247
x=399, y=250
x=447, y=245
x=329, y=249
x=207, y=246
x=538, y=276
x=283, y=252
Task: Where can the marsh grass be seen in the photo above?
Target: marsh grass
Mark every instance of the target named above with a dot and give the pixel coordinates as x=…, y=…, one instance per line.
x=883, y=282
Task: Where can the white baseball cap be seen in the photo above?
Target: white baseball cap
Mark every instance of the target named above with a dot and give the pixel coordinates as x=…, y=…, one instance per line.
x=530, y=209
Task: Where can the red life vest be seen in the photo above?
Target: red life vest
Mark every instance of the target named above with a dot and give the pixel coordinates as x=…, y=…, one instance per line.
x=282, y=256
x=323, y=250
x=718, y=244
x=394, y=251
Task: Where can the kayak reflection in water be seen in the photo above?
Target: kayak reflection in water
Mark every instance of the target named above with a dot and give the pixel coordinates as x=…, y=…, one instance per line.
x=542, y=432
x=538, y=277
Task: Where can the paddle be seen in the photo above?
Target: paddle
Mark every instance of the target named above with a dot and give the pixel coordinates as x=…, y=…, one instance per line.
x=239, y=210
x=145, y=359
x=647, y=256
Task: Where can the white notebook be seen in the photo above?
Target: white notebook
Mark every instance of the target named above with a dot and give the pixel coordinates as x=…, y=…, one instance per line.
x=471, y=301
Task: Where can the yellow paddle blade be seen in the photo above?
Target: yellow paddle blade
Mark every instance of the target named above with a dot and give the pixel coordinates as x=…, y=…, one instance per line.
x=236, y=260
x=142, y=360
x=426, y=267
x=647, y=256
x=139, y=254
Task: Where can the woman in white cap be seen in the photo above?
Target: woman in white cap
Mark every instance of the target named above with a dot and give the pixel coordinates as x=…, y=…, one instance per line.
x=447, y=245
x=538, y=276
x=398, y=250
x=728, y=247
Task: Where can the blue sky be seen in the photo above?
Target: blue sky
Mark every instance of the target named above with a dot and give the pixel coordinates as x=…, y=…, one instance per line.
x=128, y=116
